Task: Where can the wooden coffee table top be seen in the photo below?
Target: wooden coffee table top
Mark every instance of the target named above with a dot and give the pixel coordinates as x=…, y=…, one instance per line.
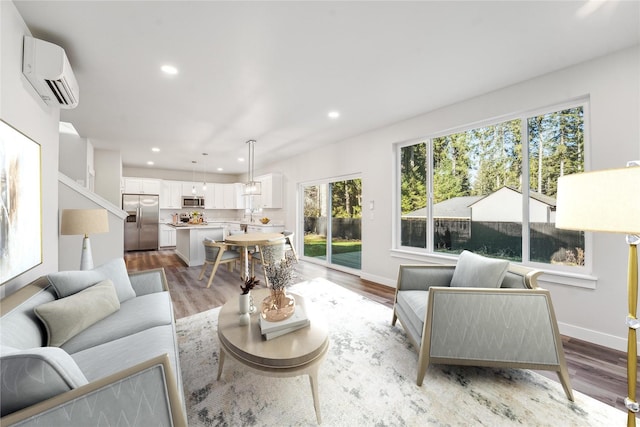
x=292, y=350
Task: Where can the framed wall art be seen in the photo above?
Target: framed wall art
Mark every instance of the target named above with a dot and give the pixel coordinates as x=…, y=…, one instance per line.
x=20, y=203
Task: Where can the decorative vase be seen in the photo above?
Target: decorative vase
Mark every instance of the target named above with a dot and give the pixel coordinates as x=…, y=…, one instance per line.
x=245, y=318
x=244, y=303
x=277, y=306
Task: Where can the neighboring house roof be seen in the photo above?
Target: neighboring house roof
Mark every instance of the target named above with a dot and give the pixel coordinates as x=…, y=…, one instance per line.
x=551, y=201
x=456, y=207
x=460, y=207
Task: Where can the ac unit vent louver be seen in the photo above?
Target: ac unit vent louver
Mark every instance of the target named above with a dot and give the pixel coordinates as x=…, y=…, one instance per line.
x=62, y=92
x=47, y=68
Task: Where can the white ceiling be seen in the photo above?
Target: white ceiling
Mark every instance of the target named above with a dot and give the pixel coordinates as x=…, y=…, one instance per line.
x=271, y=71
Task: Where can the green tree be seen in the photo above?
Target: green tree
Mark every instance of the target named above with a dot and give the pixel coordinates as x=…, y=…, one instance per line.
x=413, y=186
x=346, y=199
x=556, y=148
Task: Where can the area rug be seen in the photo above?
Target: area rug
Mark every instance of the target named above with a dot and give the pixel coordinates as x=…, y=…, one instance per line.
x=368, y=379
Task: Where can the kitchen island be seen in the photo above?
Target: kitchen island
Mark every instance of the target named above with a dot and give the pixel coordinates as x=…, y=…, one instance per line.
x=189, y=238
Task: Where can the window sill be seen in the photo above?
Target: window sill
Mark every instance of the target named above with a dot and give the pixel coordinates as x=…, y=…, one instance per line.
x=554, y=277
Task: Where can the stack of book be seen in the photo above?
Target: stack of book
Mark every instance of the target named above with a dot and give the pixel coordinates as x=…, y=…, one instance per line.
x=298, y=320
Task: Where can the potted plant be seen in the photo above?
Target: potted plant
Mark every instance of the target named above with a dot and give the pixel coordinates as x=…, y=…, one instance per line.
x=278, y=305
x=246, y=304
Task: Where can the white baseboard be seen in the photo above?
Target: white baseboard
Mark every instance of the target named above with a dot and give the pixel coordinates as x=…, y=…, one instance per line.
x=379, y=279
x=595, y=337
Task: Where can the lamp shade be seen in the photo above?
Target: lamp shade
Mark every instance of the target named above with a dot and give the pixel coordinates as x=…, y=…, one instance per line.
x=84, y=221
x=606, y=200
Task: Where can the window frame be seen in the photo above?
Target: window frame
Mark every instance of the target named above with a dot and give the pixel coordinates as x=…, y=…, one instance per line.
x=580, y=276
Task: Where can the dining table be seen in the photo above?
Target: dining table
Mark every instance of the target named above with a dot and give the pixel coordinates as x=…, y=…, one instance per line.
x=247, y=240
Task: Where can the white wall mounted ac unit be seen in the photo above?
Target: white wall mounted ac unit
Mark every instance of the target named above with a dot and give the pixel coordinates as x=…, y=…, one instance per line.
x=48, y=70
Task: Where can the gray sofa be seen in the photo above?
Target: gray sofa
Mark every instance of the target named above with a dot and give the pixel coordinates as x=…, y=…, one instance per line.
x=91, y=347
x=479, y=312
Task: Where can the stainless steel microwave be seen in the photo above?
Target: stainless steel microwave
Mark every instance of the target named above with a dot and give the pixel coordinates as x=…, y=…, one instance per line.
x=192, y=202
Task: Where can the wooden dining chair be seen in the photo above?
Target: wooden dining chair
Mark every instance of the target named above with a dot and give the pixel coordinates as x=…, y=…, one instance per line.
x=288, y=235
x=216, y=253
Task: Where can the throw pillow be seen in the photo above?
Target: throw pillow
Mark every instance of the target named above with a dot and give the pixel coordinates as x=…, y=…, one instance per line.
x=68, y=283
x=476, y=271
x=33, y=375
x=67, y=317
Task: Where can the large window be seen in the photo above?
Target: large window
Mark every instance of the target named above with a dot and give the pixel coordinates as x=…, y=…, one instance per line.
x=484, y=190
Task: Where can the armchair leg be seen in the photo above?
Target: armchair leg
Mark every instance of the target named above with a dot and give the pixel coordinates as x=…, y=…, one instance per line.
x=563, y=376
x=423, y=364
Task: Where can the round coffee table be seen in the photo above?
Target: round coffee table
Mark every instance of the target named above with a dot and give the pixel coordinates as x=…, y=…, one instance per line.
x=296, y=353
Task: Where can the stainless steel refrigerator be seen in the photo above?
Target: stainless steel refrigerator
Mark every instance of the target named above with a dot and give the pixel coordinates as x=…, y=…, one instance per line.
x=141, y=224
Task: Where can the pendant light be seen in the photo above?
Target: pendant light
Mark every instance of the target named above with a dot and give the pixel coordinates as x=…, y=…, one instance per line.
x=204, y=173
x=252, y=188
x=193, y=177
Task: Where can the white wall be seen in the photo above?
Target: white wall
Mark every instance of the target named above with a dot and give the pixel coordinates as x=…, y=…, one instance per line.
x=108, y=169
x=22, y=108
x=72, y=157
x=104, y=246
x=178, y=175
x=612, y=84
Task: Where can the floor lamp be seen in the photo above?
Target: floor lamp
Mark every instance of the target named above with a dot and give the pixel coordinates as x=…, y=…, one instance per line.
x=607, y=201
x=84, y=222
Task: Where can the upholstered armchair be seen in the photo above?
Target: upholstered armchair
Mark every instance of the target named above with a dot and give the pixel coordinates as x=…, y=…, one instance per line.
x=480, y=312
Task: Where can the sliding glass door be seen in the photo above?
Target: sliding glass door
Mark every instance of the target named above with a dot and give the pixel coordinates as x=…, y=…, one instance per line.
x=332, y=214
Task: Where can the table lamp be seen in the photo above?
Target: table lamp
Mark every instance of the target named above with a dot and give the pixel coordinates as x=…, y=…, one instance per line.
x=607, y=201
x=84, y=222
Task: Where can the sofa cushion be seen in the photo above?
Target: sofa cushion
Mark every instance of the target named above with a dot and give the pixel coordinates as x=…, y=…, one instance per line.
x=135, y=315
x=70, y=282
x=31, y=376
x=476, y=271
x=66, y=317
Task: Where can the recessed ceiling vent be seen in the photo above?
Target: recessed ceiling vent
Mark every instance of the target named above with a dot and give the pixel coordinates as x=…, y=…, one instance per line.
x=48, y=70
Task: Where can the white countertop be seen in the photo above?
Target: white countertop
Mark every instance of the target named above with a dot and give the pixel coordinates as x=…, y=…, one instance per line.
x=186, y=226
x=221, y=222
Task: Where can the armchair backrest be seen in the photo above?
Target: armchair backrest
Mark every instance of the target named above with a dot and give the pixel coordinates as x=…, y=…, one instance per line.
x=520, y=277
x=422, y=277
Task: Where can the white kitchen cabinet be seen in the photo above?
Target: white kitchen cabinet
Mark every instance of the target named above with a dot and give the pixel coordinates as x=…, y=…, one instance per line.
x=187, y=188
x=238, y=189
x=232, y=197
x=229, y=196
x=271, y=197
x=267, y=228
x=218, y=196
x=141, y=185
x=210, y=196
x=167, y=235
x=171, y=195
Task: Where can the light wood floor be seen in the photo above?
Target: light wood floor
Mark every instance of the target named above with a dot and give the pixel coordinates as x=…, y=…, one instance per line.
x=596, y=371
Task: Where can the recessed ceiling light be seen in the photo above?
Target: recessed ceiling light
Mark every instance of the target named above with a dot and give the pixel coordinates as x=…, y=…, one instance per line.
x=219, y=169
x=169, y=69
x=333, y=114
x=155, y=149
x=241, y=159
x=150, y=163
